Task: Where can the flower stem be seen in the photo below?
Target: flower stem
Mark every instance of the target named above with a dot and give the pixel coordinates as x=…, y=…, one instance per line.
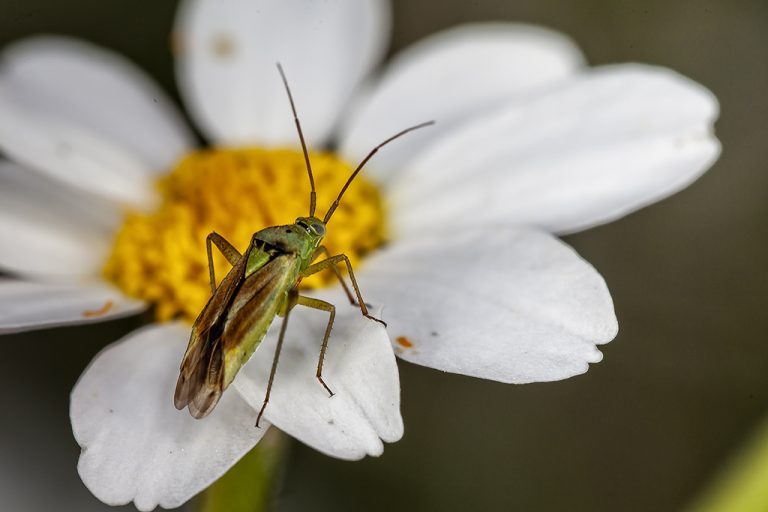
x=743, y=485
x=250, y=485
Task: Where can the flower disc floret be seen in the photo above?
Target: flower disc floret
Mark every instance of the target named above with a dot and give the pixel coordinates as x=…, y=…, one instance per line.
x=161, y=256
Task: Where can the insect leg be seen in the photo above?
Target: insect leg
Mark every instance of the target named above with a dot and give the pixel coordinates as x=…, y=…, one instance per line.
x=331, y=309
x=226, y=248
x=323, y=250
x=293, y=296
x=320, y=250
x=331, y=262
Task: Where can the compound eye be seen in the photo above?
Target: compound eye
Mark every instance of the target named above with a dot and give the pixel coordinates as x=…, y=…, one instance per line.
x=318, y=228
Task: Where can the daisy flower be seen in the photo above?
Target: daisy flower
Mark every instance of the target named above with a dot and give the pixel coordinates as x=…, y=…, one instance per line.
x=105, y=203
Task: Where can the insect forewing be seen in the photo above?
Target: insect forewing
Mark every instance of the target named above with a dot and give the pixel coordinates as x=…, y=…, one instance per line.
x=229, y=329
x=200, y=367
x=252, y=310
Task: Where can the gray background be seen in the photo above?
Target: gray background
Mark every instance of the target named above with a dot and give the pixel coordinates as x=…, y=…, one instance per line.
x=679, y=389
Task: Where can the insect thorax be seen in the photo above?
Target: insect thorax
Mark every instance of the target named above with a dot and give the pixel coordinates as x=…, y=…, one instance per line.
x=291, y=238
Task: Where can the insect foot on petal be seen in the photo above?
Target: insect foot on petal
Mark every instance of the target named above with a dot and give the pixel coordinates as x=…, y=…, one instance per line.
x=382, y=322
x=330, y=393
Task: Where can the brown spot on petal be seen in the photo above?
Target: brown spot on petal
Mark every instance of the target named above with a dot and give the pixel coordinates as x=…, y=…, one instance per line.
x=404, y=342
x=223, y=46
x=103, y=310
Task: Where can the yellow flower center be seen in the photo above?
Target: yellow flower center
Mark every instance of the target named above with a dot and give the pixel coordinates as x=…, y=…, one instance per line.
x=161, y=256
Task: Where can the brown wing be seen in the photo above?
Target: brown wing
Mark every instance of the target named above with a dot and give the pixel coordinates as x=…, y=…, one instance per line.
x=201, y=366
x=202, y=373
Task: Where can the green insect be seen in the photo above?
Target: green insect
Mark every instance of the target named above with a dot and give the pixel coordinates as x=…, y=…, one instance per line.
x=263, y=283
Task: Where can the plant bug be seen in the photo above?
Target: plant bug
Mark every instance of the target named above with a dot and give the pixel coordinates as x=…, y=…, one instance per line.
x=262, y=283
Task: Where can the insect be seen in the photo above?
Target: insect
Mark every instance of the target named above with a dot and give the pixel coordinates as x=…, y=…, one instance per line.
x=262, y=283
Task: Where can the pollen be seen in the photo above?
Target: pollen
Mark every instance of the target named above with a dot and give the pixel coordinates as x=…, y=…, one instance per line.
x=161, y=257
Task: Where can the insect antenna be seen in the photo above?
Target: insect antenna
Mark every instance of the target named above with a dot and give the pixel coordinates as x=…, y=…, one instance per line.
x=312, y=194
x=365, y=161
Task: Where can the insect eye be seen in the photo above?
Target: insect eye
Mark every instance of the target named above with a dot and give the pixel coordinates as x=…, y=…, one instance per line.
x=318, y=228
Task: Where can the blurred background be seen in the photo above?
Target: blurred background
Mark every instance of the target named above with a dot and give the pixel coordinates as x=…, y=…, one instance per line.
x=681, y=388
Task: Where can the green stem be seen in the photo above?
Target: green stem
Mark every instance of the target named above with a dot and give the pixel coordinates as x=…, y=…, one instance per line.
x=743, y=485
x=249, y=486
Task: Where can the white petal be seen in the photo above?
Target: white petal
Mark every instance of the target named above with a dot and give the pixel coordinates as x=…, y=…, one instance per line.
x=501, y=303
x=97, y=90
x=228, y=50
x=71, y=154
x=49, y=229
x=26, y=305
x=360, y=369
x=449, y=77
x=135, y=445
x=66, y=142
x=594, y=150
